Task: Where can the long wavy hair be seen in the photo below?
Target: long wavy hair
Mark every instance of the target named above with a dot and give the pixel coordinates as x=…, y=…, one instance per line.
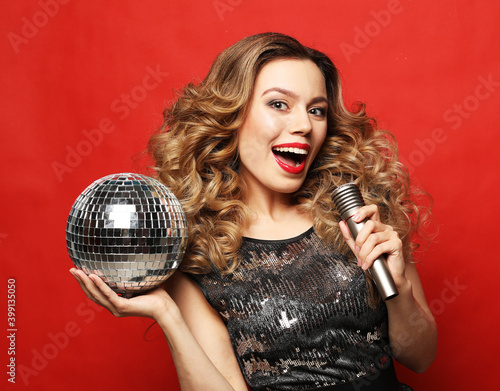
x=196, y=156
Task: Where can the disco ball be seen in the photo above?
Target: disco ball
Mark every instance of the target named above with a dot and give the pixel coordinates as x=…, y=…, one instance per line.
x=130, y=230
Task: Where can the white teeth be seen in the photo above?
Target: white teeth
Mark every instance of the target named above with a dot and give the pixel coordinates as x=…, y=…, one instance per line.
x=298, y=151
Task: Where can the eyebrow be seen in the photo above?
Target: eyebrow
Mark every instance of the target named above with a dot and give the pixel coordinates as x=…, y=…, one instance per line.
x=293, y=95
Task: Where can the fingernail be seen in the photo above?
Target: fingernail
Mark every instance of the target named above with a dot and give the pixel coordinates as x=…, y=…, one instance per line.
x=359, y=262
x=356, y=217
x=356, y=248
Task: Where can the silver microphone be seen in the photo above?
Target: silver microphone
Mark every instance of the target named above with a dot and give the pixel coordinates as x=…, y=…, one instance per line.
x=348, y=200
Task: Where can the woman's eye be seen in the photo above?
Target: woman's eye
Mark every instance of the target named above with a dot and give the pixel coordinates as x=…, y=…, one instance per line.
x=319, y=111
x=278, y=105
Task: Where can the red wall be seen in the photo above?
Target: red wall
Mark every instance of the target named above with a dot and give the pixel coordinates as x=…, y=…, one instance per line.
x=84, y=84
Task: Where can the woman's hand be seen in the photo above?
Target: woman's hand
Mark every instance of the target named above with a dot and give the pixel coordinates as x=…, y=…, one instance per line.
x=150, y=305
x=375, y=239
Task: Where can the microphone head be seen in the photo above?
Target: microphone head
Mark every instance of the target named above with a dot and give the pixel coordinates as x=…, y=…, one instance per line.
x=347, y=199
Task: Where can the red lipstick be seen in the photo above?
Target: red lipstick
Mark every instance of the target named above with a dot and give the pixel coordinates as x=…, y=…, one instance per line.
x=291, y=165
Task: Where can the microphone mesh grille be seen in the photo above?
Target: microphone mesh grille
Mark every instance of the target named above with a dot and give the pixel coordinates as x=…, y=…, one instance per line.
x=346, y=197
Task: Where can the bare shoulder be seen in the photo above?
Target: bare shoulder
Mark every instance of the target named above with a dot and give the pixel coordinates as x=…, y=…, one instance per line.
x=185, y=292
x=195, y=309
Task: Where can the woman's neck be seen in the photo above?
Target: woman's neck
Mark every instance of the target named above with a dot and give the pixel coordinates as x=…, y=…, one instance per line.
x=283, y=222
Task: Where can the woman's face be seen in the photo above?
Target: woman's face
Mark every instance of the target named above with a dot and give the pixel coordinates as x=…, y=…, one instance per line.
x=285, y=126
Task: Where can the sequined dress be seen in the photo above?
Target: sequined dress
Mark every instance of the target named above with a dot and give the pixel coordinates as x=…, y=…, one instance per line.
x=298, y=315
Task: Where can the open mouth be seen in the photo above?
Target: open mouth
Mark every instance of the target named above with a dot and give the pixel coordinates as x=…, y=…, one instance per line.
x=290, y=156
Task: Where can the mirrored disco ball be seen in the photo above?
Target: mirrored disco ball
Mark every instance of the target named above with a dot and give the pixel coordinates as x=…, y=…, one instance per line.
x=130, y=230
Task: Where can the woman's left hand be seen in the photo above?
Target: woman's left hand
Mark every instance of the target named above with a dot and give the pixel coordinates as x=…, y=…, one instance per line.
x=375, y=239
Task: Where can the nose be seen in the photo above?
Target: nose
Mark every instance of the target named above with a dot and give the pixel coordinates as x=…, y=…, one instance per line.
x=301, y=123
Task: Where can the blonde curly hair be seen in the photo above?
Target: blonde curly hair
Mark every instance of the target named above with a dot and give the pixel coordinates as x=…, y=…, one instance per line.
x=196, y=155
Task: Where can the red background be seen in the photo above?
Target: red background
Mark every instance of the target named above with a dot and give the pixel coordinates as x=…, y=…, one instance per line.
x=428, y=70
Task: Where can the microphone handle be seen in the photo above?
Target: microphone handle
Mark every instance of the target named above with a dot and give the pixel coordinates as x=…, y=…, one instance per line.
x=378, y=271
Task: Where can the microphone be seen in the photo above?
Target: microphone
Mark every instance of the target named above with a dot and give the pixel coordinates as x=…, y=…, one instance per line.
x=348, y=200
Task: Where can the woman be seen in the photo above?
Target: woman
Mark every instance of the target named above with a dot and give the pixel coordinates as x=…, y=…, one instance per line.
x=270, y=293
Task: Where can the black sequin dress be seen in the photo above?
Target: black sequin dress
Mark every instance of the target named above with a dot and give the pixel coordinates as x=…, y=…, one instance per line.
x=298, y=315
